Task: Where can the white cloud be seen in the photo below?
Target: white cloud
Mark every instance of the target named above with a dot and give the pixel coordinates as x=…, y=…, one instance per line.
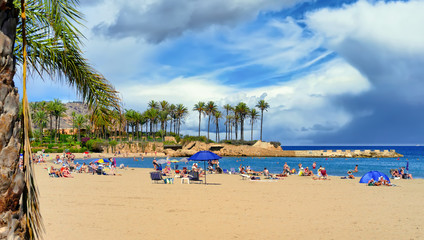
x=299, y=108
x=157, y=20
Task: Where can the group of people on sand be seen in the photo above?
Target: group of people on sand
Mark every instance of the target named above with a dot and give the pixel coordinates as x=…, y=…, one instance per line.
x=70, y=166
x=381, y=182
x=60, y=172
x=401, y=173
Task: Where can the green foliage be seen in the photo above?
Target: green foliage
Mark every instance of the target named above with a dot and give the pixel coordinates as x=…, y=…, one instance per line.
x=239, y=142
x=95, y=145
x=276, y=144
x=50, y=145
x=188, y=139
x=169, y=143
x=154, y=147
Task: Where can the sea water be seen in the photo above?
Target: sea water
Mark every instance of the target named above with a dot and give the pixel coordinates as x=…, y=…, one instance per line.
x=334, y=166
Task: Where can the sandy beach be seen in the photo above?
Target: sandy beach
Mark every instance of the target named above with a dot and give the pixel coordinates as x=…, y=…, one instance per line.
x=129, y=206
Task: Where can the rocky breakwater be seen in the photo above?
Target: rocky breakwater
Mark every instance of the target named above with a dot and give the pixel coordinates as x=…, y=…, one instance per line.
x=259, y=149
x=348, y=153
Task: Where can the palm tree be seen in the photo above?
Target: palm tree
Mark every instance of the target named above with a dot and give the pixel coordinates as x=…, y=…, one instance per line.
x=172, y=109
x=40, y=118
x=262, y=105
x=59, y=111
x=79, y=121
x=217, y=116
x=49, y=43
x=210, y=110
x=253, y=114
x=152, y=115
x=227, y=108
x=50, y=110
x=242, y=111
x=200, y=107
x=153, y=104
x=163, y=118
x=181, y=112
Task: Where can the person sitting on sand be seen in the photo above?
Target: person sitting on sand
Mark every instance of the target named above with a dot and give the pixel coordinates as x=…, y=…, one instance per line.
x=308, y=172
x=266, y=172
x=395, y=173
x=371, y=182
x=350, y=175
x=166, y=170
x=405, y=175
x=66, y=173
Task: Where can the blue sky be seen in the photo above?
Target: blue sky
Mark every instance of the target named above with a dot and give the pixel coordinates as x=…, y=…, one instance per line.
x=333, y=72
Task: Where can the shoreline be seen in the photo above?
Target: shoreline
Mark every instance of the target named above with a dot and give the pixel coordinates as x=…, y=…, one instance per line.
x=235, y=208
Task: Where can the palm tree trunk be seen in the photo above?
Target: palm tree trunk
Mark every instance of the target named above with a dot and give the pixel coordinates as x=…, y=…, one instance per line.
x=12, y=178
x=209, y=123
x=251, y=132
x=262, y=120
x=200, y=119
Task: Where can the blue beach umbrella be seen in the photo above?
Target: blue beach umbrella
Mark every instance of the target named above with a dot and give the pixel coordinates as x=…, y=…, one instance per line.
x=407, y=165
x=374, y=175
x=204, y=156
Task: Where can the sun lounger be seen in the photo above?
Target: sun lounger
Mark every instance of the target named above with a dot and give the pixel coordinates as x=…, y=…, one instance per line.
x=156, y=176
x=244, y=176
x=194, y=177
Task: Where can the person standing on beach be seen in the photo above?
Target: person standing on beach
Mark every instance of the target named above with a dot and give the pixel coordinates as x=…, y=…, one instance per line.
x=356, y=168
x=314, y=165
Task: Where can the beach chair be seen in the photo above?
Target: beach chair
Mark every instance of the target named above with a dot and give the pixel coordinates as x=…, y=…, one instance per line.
x=194, y=177
x=156, y=176
x=244, y=176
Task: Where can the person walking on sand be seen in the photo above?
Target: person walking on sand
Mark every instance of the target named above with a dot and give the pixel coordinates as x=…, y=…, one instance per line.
x=356, y=169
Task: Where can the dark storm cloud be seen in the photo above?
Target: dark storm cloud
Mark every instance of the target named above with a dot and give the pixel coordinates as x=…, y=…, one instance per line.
x=166, y=19
x=392, y=111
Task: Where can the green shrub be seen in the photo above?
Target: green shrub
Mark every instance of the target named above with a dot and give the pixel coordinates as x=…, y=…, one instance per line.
x=276, y=144
x=50, y=145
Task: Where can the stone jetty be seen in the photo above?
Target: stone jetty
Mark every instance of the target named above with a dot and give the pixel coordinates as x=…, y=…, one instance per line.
x=259, y=149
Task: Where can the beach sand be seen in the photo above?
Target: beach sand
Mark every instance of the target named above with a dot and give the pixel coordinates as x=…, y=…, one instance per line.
x=129, y=206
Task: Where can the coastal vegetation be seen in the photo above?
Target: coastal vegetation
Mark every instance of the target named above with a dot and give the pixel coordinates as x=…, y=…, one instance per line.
x=160, y=119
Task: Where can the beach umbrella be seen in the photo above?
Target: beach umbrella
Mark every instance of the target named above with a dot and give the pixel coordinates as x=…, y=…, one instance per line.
x=184, y=160
x=204, y=156
x=407, y=166
x=101, y=160
x=374, y=175
x=161, y=161
x=174, y=161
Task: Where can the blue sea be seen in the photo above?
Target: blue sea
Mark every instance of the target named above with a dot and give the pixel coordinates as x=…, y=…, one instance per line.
x=335, y=166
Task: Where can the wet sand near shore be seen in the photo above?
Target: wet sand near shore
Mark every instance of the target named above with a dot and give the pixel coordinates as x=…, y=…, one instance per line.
x=129, y=206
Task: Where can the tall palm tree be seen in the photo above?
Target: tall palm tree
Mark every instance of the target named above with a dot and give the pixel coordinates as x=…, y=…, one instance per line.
x=217, y=115
x=163, y=118
x=59, y=112
x=181, y=113
x=210, y=110
x=153, y=104
x=227, y=108
x=49, y=43
x=253, y=114
x=263, y=106
x=242, y=111
x=172, y=109
x=79, y=121
x=200, y=107
x=40, y=119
